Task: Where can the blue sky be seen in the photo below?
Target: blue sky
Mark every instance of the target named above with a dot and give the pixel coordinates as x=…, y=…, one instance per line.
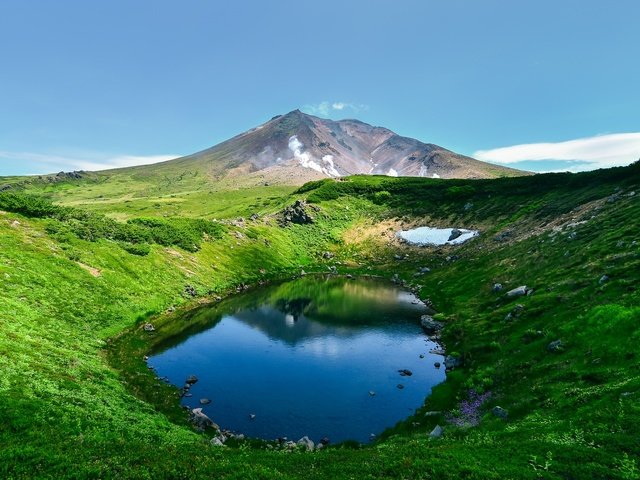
x=525, y=83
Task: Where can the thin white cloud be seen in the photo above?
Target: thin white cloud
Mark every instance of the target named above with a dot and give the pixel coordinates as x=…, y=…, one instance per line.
x=601, y=151
x=48, y=163
x=325, y=109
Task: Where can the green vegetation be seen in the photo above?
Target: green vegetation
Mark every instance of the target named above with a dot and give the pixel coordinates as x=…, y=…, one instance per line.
x=77, y=278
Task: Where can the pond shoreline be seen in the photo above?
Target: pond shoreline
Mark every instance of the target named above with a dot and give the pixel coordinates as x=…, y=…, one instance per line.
x=128, y=351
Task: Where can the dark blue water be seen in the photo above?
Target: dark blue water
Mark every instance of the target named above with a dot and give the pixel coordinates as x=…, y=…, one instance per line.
x=303, y=358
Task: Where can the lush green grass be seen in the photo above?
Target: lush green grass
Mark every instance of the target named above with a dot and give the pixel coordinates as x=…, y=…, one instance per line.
x=574, y=413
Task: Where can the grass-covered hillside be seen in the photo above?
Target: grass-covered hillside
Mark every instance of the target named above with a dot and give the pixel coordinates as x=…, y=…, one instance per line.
x=79, y=275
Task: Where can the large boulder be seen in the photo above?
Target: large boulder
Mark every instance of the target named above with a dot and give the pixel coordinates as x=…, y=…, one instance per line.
x=297, y=213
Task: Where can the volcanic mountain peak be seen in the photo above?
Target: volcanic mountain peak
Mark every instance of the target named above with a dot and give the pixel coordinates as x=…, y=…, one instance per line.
x=297, y=147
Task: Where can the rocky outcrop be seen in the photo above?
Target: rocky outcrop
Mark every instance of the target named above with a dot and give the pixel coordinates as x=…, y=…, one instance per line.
x=298, y=213
x=200, y=420
x=429, y=325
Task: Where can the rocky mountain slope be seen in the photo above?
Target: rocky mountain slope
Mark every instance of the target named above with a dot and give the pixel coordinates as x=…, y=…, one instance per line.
x=298, y=147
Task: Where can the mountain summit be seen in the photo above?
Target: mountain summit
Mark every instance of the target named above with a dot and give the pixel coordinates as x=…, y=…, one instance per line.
x=296, y=147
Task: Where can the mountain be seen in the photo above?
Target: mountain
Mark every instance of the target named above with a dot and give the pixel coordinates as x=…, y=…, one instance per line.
x=296, y=147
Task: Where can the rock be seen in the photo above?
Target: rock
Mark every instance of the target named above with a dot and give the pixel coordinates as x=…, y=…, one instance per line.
x=496, y=287
x=349, y=276
x=421, y=355
x=145, y=358
x=503, y=236
x=191, y=379
x=190, y=290
x=303, y=273
x=201, y=421
x=296, y=213
x=455, y=233
x=555, y=346
x=252, y=416
x=327, y=255
x=400, y=386
x=429, y=325
x=289, y=445
x=254, y=217
x=306, y=443
x=500, y=412
x=319, y=446
x=372, y=393
x=217, y=442
x=398, y=257
x=436, y=432
x=205, y=401
x=436, y=364
x=515, y=313
x=405, y=373
x=517, y=292
x=324, y=441
x=468, y=206
x=5, y=187
x=432, y=413
x=395, y=278
x=603, y=279
x=451, y=361
x=424, y=270
x=148, y=327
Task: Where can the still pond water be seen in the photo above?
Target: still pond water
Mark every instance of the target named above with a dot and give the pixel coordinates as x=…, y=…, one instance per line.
x=315, y=356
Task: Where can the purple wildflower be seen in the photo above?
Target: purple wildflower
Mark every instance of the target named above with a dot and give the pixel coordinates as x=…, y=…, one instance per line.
x=468, y=413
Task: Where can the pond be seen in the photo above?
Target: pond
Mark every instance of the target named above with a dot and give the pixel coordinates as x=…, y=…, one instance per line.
x=326, y=357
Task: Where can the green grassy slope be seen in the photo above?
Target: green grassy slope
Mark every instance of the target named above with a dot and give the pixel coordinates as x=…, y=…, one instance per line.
x=573, y=413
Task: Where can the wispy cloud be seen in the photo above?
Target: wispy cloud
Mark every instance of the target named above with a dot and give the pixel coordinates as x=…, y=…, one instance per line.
x=601, y=151
x=48, y=163
x=325, y=109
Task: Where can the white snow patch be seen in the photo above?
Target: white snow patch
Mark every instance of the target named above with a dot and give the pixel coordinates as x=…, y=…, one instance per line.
x=392, y=173
x=435, y=175
x=435, y=236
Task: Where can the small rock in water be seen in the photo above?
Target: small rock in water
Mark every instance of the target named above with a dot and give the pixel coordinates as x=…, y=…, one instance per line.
x=421, y=355
x=437, y=364
x=205, y=401
x=400, y=386
x=191, y=379
x=405, y=373
x=372, y=393
x=252, y=416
